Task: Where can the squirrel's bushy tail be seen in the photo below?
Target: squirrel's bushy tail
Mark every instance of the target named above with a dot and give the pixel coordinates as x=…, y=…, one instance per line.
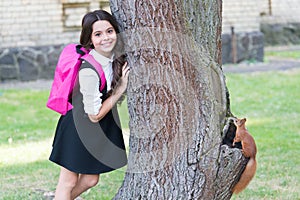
x=246, y=176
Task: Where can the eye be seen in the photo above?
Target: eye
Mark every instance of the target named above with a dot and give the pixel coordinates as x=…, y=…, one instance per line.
x=97, y=34
x=110, y=31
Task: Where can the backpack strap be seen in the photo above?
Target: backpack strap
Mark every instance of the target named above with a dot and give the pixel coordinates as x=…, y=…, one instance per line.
x=81, y=50
x=90, y=59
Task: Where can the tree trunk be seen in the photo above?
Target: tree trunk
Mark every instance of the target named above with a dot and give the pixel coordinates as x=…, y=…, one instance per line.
x=177, y=101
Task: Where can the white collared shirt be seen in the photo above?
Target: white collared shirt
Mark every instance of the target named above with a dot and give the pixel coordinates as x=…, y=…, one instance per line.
x=89, y=83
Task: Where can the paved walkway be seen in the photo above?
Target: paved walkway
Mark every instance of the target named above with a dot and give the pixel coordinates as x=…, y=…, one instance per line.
x=274, y=64
x=35, y=85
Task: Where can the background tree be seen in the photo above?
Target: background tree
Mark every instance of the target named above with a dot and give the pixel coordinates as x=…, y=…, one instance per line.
x=177, y=101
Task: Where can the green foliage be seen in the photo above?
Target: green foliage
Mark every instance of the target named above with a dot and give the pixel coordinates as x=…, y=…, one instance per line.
x=270, y=101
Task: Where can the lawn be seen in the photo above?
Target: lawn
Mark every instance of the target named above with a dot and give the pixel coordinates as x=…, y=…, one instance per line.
x=271, y=103
x=292, y=54
x=269, y=100
x=26, y=134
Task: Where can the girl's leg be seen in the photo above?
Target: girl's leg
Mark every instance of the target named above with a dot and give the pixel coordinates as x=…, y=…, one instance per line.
x=66, y=182
x=85, y=181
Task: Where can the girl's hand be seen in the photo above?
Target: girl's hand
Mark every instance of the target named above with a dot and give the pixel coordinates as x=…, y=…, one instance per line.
x=113, y=99
x=124, y=79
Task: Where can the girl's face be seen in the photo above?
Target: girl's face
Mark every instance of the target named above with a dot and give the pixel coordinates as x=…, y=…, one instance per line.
x=104, y=37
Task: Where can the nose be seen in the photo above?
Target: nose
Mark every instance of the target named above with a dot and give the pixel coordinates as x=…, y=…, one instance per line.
x=105, y=36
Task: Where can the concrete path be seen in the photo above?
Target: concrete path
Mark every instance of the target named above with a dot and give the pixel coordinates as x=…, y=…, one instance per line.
x=274, y=64
x=35, y=85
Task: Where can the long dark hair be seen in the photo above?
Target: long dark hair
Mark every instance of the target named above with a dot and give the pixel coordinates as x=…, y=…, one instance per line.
x=85, y=40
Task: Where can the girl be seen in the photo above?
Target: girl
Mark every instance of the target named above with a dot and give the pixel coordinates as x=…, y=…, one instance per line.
x=88, y=139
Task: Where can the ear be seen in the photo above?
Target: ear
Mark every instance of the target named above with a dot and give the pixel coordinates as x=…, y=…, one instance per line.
x=244, y=120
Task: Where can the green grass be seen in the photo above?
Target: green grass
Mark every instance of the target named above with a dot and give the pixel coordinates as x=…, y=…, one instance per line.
x=24, y=116
x=26, y=134
x=270, y=101
x=284, y=54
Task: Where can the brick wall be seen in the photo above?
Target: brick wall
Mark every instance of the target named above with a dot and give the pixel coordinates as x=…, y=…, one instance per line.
x=243, y=15
x=246, y=16
x=48, y=22
x=40, y=23
x=287, y=11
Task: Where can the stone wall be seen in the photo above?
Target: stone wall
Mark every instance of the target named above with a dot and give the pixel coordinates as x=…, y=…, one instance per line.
x=242, y=47
x=28, y=63
x=33, y=63
x=281, y=34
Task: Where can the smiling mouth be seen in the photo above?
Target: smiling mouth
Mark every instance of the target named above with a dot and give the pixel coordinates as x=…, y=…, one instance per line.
x=106, y=44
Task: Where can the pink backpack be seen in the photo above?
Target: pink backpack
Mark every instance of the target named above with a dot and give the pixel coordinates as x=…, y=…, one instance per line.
x=65, y=76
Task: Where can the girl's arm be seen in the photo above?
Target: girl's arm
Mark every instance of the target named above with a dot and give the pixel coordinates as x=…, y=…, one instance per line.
x=108, y=104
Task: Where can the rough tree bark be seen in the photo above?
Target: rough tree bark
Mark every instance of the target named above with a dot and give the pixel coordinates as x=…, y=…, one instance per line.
x=177, y=100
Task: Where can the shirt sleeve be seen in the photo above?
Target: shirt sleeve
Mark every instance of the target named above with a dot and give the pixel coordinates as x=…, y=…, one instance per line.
x=89, y=88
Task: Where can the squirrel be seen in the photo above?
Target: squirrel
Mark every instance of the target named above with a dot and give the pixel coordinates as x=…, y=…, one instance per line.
x=248, y=150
